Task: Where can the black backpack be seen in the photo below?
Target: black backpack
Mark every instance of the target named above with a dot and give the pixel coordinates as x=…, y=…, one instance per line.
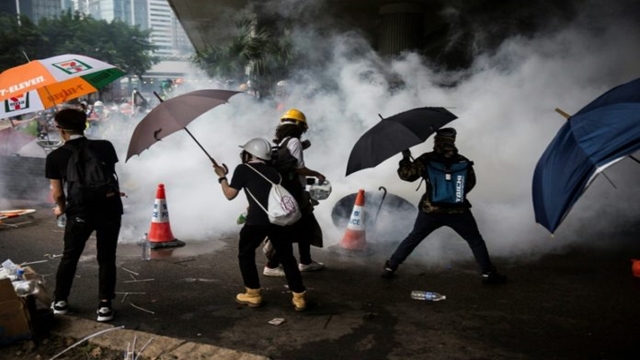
x=89, y=179
x=282, y=160
x=285, y=164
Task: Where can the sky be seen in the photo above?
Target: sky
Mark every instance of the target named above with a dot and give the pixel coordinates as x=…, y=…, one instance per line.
x=505, y=105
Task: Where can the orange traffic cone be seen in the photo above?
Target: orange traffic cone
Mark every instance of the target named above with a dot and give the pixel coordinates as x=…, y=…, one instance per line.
x=160, y=235
x=354, y=238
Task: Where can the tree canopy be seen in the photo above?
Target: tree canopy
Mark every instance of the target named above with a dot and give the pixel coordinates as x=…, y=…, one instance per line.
x=127, y=47
x=259, y=52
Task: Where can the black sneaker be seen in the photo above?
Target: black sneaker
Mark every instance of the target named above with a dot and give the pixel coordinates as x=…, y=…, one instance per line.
x=60, y=307
x=493, y=278
x=389, y=271
x=105, y=313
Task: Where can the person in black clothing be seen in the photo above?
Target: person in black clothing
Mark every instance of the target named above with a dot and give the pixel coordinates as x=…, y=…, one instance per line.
x=436, y=210
x=103, y=217
x=293, y=124
x=254, y=156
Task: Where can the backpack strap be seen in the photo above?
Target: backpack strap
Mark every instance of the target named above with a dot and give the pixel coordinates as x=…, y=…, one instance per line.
x=284, y=142
x=257, y=202
x=249, y=192
x=259, y=173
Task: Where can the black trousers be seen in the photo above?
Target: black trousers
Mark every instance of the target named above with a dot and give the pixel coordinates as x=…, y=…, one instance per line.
x=303, y=233
x=252, y=236
x=76, y=234
x=463, y=223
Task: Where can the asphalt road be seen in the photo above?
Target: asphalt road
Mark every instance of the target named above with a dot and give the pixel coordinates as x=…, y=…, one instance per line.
x=581, y=304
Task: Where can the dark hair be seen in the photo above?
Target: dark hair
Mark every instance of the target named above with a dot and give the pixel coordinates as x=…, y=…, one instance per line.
x=72, y=120
x=285, y=130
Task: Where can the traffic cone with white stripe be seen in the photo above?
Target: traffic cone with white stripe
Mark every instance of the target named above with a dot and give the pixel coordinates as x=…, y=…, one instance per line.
x=160, y=235
x=355, y=238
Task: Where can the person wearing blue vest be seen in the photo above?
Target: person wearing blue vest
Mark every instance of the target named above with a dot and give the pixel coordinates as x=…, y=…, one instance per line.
x=449, y=177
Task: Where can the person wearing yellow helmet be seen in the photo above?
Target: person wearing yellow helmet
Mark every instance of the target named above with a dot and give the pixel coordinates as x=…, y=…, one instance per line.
x=293, y=123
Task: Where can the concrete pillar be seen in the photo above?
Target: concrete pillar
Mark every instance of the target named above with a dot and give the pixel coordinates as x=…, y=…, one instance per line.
x=401, y=28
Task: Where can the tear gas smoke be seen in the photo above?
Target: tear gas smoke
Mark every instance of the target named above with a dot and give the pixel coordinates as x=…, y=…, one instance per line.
x=505, y=106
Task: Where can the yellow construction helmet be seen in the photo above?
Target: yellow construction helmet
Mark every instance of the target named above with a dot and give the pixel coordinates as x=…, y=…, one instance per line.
x=294, y=115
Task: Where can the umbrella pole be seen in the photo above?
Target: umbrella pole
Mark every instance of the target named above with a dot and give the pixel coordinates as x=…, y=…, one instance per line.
x=564, y=114
x=194, y=138
x=201, y=147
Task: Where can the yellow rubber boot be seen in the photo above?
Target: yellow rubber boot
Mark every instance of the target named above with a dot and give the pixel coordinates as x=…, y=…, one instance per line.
x=299, y=301
x=252, y=298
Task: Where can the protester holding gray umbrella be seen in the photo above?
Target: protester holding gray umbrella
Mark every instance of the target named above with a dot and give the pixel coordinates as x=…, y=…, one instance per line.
x=449, y=177
x=250, y=176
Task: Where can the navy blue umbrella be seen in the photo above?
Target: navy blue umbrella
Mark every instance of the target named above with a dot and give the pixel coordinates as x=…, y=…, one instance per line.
x=597, y=136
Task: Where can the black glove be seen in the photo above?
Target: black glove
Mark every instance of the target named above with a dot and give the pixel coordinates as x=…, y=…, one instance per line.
x=406, y=154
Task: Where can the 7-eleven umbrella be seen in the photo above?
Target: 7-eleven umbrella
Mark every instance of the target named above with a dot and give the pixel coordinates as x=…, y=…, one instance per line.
x=41, y=84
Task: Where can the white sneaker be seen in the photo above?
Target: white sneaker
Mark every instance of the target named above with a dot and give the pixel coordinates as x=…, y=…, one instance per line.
x=105, y=313
x=276, y=272
x=314, y=266
x=60, y=307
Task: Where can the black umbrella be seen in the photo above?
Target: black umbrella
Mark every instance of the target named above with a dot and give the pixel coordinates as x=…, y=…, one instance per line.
x=394, y=134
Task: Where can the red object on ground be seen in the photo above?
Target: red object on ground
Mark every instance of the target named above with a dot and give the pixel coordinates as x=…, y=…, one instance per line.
x=355, y=238
x=160, y=234
x=635, y=267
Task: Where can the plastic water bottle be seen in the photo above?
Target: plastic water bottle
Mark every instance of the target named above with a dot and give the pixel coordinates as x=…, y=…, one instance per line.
x=62, y=220
x=146, y=247
x=427, y=295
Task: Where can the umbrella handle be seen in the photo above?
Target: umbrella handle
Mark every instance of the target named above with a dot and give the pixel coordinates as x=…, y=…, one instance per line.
x=226, y=169
x=381, y=201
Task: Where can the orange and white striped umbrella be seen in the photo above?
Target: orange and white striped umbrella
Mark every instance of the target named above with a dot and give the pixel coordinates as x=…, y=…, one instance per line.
x=41, y=84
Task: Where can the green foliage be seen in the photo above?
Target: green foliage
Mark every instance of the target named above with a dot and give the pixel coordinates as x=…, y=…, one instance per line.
x=260, y=53
x=114, y=42
x=17, y=42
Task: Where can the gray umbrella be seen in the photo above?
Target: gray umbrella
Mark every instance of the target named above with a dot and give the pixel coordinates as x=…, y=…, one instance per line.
x=173, y=115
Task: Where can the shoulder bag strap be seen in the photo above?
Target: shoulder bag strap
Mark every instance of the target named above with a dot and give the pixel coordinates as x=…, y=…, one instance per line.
x=250, y=194
x=259, y=173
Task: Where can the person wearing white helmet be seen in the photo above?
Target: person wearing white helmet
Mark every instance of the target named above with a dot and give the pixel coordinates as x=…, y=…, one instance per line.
x=256, y=153
x=95, y=118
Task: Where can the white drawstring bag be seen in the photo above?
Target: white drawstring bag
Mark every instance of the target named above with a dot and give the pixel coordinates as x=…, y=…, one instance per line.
x=282, y=208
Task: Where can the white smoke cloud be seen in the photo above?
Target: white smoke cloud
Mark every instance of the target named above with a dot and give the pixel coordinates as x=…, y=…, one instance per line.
x=505, y=106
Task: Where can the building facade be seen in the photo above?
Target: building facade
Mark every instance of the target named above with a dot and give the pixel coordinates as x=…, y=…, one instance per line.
x=166, y=31
x=33, y=9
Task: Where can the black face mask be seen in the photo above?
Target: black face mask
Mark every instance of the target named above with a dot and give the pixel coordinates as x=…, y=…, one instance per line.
x=445, y=149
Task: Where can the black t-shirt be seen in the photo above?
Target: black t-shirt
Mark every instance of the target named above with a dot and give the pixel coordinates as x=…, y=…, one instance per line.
x=56, y=168
x=245, y=178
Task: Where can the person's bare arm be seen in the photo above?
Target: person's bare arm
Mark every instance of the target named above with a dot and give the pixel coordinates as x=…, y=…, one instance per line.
x=308, y=172
x=57, y=192
x=229, y=192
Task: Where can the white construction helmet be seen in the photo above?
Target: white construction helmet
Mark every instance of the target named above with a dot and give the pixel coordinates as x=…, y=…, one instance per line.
x=258, y=147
